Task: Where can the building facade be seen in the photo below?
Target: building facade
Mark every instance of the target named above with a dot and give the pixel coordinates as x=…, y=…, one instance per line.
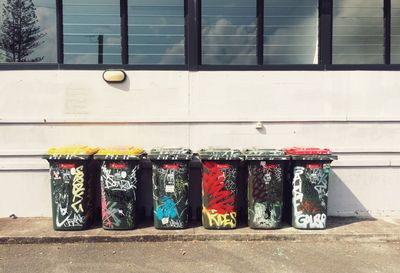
x=203, y=73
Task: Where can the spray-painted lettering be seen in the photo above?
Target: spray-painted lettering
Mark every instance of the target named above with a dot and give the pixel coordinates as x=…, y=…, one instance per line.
x=227, y=220
x=297, y=192
x=312, y=221
x=78, y=190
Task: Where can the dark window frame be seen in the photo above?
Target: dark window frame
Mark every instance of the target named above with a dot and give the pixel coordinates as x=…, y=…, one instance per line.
x=192, y=14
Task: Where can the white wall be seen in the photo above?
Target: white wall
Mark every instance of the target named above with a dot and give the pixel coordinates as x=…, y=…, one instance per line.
x=355, y=113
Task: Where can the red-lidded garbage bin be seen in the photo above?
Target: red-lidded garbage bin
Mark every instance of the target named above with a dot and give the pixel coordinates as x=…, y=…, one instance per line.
x=310, y=178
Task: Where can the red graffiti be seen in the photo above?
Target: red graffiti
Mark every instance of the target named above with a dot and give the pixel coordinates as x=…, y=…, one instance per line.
x=308, y=207
x=104, y=213
x=220, y=199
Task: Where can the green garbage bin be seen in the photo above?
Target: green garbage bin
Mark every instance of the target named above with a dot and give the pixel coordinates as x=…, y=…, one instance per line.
x=170, y=187
x=219, y=187
x=310, y=178
x=71, y=181
x=119, y=177
x=267, y=169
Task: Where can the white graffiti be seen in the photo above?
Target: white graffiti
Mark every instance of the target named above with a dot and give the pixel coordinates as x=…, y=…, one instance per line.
x=77, y=220
x=278, y=174
x=311, y=221
x=262, y=218
x=267, y=178
x=297, y=192
x=119, y=181
x=67, y=177
x=56, y=175
x=175, y=223
x=62, y=199
x=230, y=182
x=114, y=213
x=319, y=179
x=71, y=220
x=259, y=212
x=169, y=180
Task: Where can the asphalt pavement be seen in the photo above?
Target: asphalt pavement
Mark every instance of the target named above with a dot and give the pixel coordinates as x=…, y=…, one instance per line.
x=202, y=256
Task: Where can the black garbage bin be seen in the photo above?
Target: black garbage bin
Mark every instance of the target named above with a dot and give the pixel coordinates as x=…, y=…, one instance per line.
x=119, y=177
x=170, y=187
x=220, y=187
x=267, y=169
x=310, y=179
x=71, y=178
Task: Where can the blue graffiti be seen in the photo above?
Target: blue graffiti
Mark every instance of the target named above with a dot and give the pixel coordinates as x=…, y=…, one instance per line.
x=167, y=208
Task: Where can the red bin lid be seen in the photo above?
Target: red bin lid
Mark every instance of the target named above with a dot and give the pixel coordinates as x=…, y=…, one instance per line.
x=307, y=151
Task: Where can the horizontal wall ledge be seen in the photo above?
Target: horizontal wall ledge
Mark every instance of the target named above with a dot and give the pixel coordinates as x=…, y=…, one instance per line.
x=42, y=165
x=32, y=166
x=193, y=120
x=366, y=163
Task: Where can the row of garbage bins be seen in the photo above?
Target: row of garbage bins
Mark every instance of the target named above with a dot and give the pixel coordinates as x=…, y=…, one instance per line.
x=72, y=174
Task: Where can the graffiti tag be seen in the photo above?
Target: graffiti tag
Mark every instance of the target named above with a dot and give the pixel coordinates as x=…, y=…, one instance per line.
x=220, y=220
x=78, y=190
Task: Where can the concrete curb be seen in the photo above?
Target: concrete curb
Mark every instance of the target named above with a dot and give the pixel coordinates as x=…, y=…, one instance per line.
x=356, y=238
x=39, y=231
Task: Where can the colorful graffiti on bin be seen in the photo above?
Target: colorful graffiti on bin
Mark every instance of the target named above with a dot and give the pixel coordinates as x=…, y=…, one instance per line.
x=219, y=191
x=118, y=194
x=310, y=196
x=170, y=194
x=265, y=195
x=71, y=199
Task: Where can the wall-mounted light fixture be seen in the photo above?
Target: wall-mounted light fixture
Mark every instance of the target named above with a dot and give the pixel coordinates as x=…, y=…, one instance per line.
x=114, y=75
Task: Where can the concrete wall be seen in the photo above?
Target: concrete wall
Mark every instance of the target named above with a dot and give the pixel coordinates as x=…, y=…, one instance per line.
x=355, y=113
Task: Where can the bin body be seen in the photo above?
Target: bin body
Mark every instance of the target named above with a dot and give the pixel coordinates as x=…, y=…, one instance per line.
x=219, y=188
x=267, y=170
x=72, y=191
x=170, y=187
x=310, y=180
x=118, y=180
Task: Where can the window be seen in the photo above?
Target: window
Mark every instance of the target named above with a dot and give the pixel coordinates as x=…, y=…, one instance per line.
x=228, y=32
x=395, y=32
x=28, y=31
x=358, y=32
x=156, y=31
x=200, y=34
x=290, y=31
x=92, y=31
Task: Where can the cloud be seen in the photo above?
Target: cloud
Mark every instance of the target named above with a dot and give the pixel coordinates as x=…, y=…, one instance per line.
x=47, y=21
x=226, y=43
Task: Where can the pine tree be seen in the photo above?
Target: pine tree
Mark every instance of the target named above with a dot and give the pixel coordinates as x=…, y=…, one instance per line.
x=20, y=32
